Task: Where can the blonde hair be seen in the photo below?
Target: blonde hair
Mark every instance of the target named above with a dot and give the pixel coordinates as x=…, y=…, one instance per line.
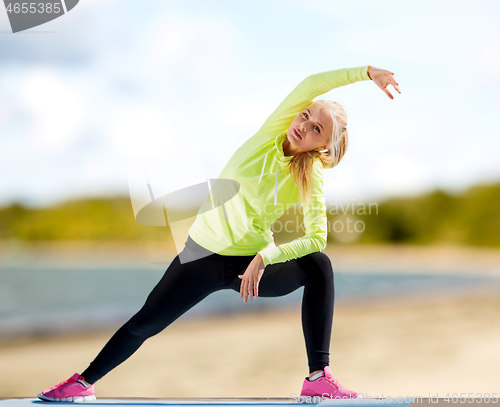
x=301, y=164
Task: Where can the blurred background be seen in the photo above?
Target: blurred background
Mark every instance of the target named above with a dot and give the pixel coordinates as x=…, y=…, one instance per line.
x=413, y=208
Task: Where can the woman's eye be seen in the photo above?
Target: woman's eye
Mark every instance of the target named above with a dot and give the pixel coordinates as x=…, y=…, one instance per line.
x=305, y=115
x=316, y=128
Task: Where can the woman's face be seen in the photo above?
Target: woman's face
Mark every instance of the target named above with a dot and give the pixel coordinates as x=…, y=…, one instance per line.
x=310, y=129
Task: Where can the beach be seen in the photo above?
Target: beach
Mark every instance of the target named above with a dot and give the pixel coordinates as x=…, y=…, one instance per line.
x=411, y=347
x=426, y=344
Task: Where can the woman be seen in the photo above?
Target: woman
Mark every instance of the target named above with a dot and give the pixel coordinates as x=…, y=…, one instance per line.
x=230, y=244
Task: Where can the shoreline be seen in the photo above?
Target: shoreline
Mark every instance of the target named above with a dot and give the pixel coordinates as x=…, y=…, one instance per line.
x=390, y=258
x=413, y=300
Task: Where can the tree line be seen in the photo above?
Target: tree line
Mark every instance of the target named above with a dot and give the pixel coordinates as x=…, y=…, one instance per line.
x=471, y=217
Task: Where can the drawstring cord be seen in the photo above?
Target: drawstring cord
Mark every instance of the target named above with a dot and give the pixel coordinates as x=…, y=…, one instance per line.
x=263, y=166
x=276, y=186
x=277, y=176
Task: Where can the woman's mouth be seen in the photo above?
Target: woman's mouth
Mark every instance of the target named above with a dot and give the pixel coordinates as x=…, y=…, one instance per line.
x=296, y=133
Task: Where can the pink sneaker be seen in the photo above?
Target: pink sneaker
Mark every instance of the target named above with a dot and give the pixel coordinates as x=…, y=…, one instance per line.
x=326, y=387
x=69, y=390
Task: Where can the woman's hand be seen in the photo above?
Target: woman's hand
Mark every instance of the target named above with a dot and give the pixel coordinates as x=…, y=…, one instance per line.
x=383, y=78
x=251, y=278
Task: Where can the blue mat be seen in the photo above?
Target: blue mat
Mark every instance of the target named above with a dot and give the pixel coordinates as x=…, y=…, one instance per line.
x=271, y=402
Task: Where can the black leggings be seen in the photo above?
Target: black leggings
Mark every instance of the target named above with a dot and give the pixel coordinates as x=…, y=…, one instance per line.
x=185, y=284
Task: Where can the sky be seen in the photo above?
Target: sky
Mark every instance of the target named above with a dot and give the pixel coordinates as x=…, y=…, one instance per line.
x=87, y=97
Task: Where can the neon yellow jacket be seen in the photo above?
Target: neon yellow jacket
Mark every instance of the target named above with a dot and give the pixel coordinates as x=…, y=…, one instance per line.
x=237, y=222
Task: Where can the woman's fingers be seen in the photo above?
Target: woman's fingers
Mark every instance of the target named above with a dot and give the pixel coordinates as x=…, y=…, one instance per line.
x=394, y=83
x=384, y=88
x=387, y=92
x=385, y=80
x=244, y=289
x=248, y=289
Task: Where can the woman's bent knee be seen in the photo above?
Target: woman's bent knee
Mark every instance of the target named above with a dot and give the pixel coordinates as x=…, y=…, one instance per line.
x=319, y=265
x=321, y=259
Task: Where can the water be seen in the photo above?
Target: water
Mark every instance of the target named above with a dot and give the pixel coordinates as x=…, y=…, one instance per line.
x=39, y=301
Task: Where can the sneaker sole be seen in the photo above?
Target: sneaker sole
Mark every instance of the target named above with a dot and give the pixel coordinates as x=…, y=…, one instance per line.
x=68, y=399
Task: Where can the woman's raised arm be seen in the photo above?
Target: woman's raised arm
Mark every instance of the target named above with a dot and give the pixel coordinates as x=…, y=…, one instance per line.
x=305, y=92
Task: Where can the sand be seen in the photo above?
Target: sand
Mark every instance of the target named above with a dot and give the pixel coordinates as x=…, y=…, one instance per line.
x=406, y=347
x=416, y=346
